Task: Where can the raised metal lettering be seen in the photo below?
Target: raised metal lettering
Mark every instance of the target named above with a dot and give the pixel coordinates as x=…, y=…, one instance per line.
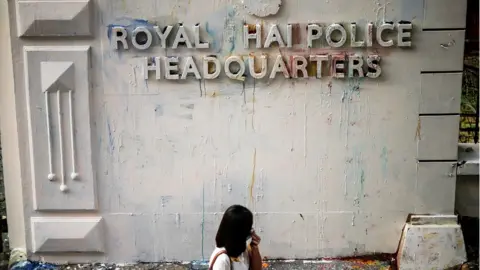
x=274, y=36
x=314, y=32
x=241, y=71
x=181, y=37
x=332, y=28
x=148, y=38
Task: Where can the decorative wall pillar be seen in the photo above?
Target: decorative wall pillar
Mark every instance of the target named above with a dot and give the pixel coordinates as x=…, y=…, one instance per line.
x=435, y=241
x=57, y=85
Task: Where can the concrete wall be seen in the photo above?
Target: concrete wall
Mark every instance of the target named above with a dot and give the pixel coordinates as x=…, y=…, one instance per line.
x=331, y=167
x=467, y=190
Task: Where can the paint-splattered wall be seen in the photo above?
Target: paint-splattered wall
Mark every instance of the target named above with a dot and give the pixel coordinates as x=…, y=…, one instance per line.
x=328, y=166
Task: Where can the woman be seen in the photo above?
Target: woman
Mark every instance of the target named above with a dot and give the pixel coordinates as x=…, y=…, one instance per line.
x=231, y=240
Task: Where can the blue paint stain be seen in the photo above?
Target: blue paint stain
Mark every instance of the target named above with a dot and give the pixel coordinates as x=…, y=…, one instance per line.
x=158, y=110
x=211, y=33
x=247, y=69
x=362, y=182
x=32, y=265
x=164, y=200
x=141, y=21
x=221, y=27
x=200, y=264
x=384, y=158
x=146, y=85
x=353, y=87
x=355, y=174
x=233, y=38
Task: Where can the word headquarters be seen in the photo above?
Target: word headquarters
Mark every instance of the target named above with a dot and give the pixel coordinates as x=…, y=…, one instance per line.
x=335, y=35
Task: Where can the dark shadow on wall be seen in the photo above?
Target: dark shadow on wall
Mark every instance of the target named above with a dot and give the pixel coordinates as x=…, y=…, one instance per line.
x=469, y=125
x=4, y=248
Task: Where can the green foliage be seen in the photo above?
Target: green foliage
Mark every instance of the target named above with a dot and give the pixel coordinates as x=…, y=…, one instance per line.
x=469, y=98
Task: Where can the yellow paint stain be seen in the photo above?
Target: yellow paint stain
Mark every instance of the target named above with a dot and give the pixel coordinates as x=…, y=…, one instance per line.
x=312, y=69
x=211, y=68
x=240, y=78
x=257, y=66
x=252, y=181
x=429, y=236
x=252, y=28
x=213, y=94
x=419, y=130
x=262, y=26
x=243, y=56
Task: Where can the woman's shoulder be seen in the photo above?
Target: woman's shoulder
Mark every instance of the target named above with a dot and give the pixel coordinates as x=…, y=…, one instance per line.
x=222, y=257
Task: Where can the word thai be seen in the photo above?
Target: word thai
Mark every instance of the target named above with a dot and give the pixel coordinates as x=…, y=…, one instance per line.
x=339, y=66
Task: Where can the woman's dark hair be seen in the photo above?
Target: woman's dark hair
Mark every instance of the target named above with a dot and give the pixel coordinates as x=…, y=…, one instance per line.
x=234, y=230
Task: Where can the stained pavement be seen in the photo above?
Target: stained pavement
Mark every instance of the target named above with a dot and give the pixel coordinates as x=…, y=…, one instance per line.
x=274, y=265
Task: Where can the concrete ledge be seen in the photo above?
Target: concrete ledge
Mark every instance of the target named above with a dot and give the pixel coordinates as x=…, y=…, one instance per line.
x=67, y=234
x=431, y=242
x=434, y=220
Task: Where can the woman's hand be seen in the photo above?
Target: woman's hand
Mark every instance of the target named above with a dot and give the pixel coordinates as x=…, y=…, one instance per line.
x=255, y=239
x=255, y=257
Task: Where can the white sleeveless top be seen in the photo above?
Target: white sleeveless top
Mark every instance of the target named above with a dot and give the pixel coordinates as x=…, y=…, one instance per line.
x=223, y=261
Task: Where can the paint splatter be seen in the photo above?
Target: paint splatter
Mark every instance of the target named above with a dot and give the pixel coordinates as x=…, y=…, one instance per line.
x=203, y=219
x=353, y=87
x=418, y=130
x=164, y=200
x=230, y=31
x=158, y=110
x=253, y=106
x=384, y=157
x=221, y=28
x=362, y=182
x=381, y=11
x=252, y=181
x=262, y=8
x=111, y=144
x=211, y=34
x=177, y=220
x=446, y=46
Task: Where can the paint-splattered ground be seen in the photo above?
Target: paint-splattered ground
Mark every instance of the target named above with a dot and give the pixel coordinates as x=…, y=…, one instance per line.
x=279, y=265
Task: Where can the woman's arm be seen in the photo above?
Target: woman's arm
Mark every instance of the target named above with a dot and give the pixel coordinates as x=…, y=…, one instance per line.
x=255, y=257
